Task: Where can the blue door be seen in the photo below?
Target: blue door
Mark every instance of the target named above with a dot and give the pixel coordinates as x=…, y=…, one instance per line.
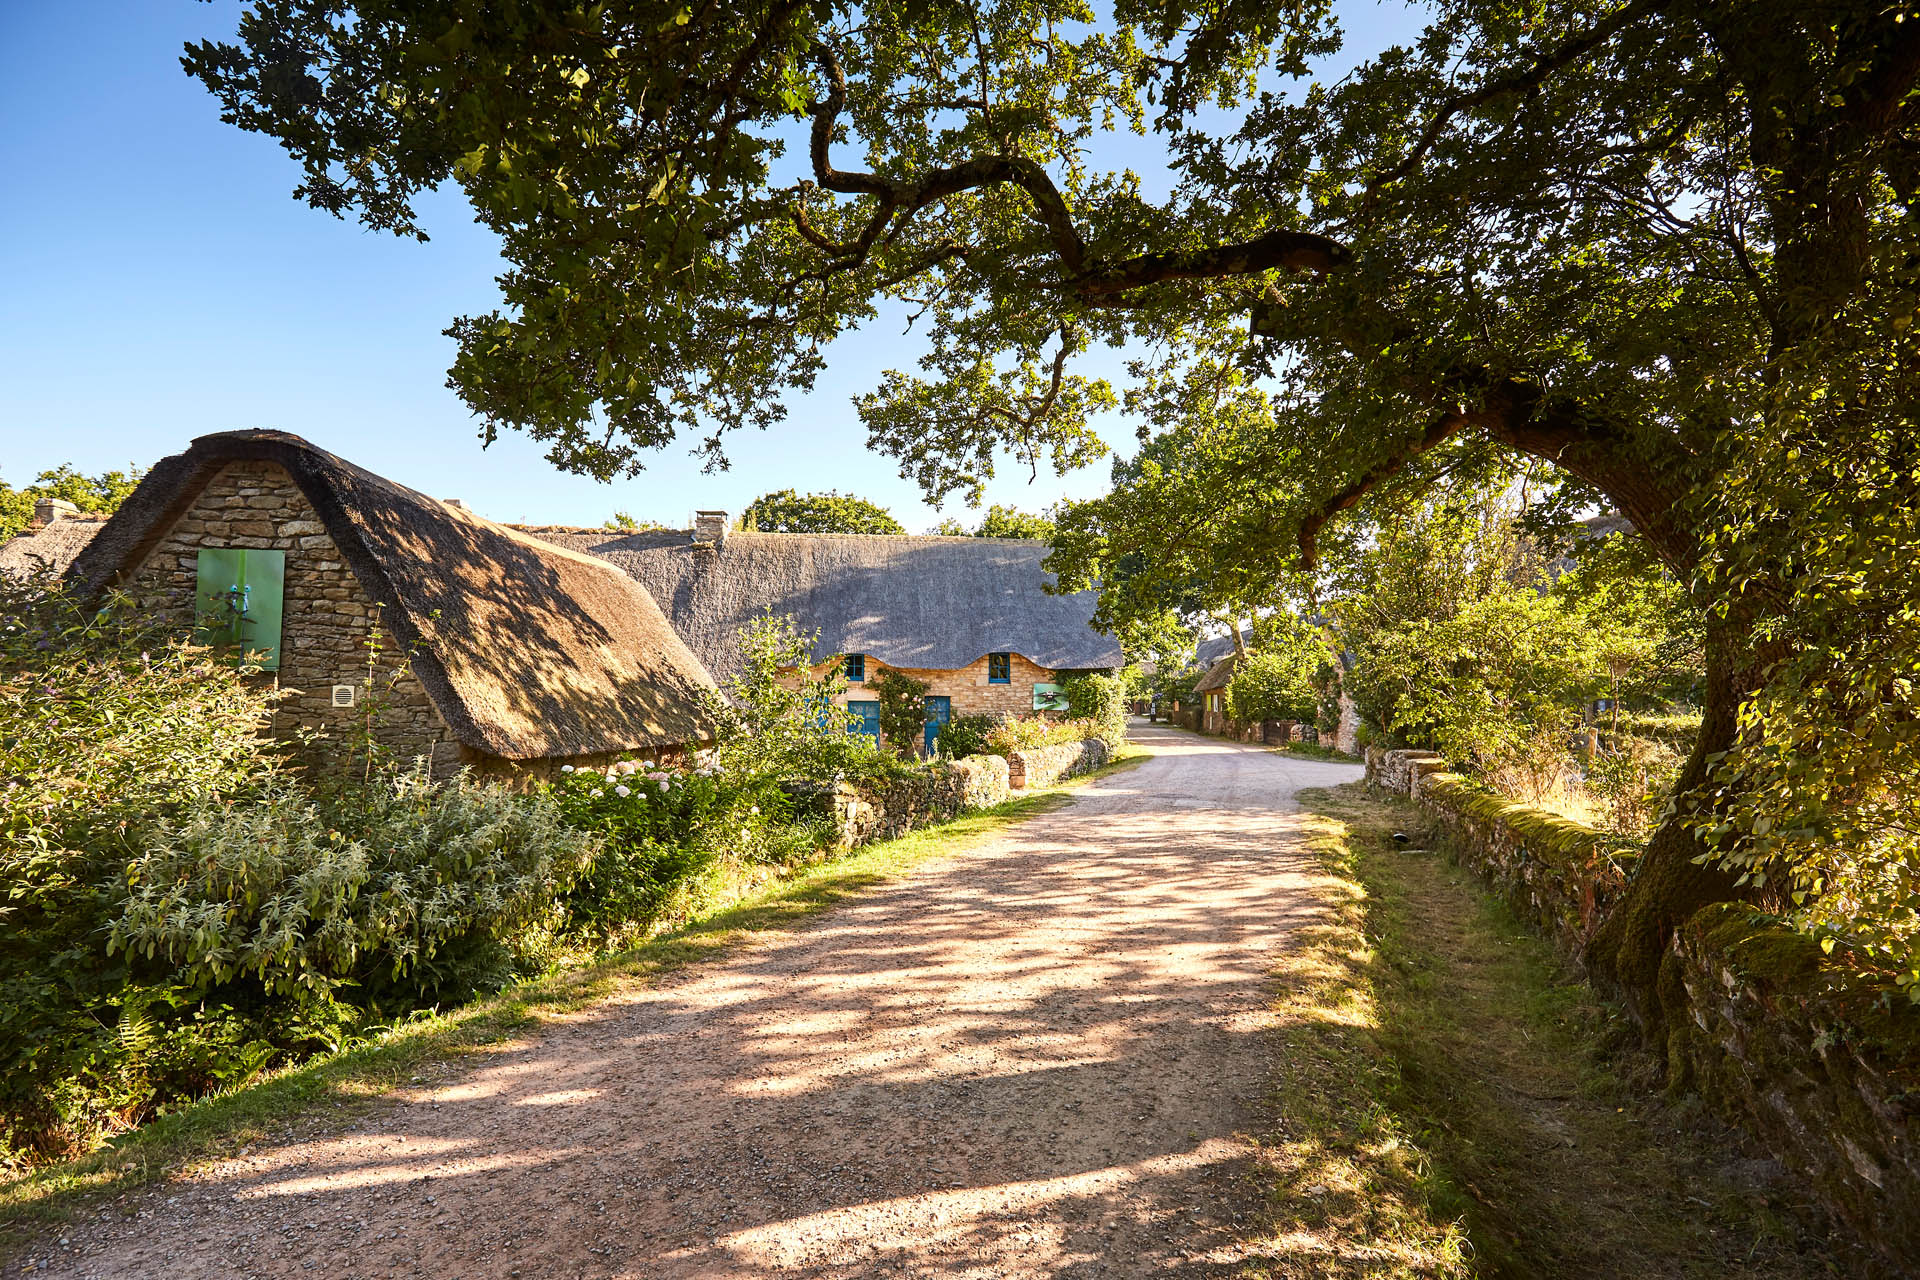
x=939, y=711
x=869, y=713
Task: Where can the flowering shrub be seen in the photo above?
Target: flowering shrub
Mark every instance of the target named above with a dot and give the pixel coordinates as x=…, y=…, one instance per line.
x=660, y=828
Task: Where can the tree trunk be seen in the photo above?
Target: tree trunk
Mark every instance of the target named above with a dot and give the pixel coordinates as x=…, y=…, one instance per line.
x=1668, y=885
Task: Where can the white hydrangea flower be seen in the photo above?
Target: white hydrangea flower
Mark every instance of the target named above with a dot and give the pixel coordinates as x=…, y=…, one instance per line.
x=622, y=792
x=566, y=768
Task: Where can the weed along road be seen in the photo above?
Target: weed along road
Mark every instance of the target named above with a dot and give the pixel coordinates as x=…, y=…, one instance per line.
x=1036, y=1057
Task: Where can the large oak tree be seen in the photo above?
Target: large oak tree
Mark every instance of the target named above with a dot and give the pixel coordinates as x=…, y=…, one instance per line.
x=1666, y=247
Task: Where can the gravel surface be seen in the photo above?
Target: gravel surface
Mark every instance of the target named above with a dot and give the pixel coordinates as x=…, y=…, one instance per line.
x=1035, y=1058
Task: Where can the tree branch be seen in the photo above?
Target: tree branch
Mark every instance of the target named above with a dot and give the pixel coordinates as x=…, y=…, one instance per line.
x=1514, y=82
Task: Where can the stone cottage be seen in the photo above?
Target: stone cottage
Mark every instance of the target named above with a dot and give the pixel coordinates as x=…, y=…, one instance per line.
x=969, y=616
x=1212, y=692
x=477, y=644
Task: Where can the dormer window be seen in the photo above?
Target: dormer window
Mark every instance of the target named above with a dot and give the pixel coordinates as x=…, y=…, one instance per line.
x=856, y=668
x=999, y=668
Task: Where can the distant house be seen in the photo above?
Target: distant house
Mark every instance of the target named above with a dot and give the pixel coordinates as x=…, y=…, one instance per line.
x=479, y=645
x=969, y=616
x=1211, y=649
x=1212, y=692
x=59, y=532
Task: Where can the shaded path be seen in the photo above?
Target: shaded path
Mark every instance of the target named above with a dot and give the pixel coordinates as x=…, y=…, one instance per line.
x=1030, y=1059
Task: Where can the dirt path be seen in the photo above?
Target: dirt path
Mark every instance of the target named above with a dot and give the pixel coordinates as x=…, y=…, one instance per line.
x=1031, y=1059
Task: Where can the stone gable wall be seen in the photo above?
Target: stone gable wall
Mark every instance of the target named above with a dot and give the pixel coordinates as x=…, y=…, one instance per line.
x=327, y=617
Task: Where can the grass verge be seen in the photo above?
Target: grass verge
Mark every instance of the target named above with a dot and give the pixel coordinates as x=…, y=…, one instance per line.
x=1451, y=1100
x=321, y=1093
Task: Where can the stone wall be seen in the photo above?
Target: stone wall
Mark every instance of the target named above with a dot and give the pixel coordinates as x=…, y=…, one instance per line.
x=867, y=811
x=1044, y=766
x=1819, y=1062
x=327, y=618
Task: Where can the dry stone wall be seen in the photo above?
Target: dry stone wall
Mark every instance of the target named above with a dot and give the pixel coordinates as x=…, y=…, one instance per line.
x=1044, y=766
x=1819, y=1062
x=868, y=811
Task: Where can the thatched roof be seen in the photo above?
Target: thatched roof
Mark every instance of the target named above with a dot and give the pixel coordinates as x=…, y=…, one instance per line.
x=51, y=548
x=1218, y=674
x=1213, y=648
x=921, y=602
x=527, y=650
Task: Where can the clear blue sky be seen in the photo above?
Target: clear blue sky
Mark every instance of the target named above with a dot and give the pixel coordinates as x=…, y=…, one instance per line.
x=158, y=282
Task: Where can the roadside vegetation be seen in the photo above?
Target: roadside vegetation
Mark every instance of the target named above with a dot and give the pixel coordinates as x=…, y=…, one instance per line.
x=188, y=910
x=325, y=1091
x=1453, y=1102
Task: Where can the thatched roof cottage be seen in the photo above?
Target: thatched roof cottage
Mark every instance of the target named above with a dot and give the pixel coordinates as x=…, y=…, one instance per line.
x=479, y=644
x=969, y=616
x=1211, y=689
x=59, y=532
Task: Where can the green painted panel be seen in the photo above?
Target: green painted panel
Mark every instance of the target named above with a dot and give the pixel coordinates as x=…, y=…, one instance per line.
x=238, y=602
x=1049, y=697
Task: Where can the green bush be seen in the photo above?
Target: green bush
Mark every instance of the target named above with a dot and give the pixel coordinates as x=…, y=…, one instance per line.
x=1102, y=700
x=413, y=891
x=966, y=735
x=105, y=722
x=1275, y=685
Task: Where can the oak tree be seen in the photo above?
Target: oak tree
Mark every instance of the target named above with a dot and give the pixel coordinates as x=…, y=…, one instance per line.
x=1665, y=246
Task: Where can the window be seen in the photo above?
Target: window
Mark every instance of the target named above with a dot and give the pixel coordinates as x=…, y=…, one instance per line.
x=237, y=603
x=999, y=668
x=857, y=668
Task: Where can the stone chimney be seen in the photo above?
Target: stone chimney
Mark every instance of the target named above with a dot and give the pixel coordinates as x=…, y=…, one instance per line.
x=47, y=510
x=709, y=528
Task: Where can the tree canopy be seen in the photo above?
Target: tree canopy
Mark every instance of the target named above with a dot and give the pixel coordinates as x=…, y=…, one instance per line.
x=784, y=511
x=1667, y=248
x=96, y=495
x=1001, y=522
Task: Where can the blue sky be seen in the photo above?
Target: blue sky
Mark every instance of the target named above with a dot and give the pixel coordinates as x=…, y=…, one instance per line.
x=158, y=282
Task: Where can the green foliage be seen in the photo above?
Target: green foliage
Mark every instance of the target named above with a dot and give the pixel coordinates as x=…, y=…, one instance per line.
x=784, y=511
x=1101, y=701
x=105, y=722
x=777, y=719
x=903, y=711
x=446, y=886
x=1001, y=522
x=97, y=495
x=1280, y=678
x=967, y=735
x=1633, y=782
x=623, y=522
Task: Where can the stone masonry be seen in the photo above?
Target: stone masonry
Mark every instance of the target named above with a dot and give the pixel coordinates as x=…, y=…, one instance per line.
x=328, y=624
x=968, y=686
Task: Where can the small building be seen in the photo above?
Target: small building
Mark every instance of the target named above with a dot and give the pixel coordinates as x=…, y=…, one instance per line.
x=1211, y=689
x=58, y=533
x=971, y=617
x=477, y=645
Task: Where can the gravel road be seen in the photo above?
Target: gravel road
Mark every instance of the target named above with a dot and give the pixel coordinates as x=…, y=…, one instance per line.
x=1034, y=1058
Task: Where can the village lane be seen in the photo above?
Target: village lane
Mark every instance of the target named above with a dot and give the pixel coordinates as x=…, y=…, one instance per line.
x=1037, y=1057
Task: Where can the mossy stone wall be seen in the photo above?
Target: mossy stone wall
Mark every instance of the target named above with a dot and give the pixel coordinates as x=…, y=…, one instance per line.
x=1819, y=1062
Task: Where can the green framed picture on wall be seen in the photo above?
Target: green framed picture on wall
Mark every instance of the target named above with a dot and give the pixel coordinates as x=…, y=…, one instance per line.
x=238, y=600
x=1049, y=697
